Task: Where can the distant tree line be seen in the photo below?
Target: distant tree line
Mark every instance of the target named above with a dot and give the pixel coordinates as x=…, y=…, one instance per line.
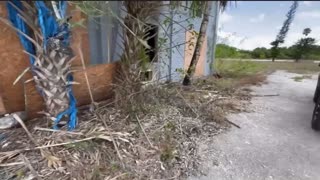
x=304, y=48
x=225, y=51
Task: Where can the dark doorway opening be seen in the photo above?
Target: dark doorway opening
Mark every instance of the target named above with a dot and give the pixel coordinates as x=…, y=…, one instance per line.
x=152, y=39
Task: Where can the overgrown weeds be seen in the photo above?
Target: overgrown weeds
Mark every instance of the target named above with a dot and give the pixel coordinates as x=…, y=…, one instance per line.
x=160, y=142
x=237, y=69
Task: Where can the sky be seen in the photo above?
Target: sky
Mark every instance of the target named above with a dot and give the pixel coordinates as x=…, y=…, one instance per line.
x=251, y=24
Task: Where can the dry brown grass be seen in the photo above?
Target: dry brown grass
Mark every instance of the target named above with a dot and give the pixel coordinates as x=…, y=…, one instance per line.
x=110, y=142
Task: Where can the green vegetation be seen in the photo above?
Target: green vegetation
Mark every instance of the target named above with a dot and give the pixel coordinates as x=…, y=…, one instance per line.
x=304, y=45
x=239, y=68
x=300, y=78
x=225, y=51
x=283, y=31
x=305, y=67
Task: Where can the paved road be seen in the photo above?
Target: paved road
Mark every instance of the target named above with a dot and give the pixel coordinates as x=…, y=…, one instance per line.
x=275, y=141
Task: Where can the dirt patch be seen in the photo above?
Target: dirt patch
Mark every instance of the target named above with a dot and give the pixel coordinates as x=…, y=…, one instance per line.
x=158, y=143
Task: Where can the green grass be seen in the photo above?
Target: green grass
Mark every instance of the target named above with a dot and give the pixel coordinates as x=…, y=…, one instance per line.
x=300, y=68
x=236, y=73
x=237, y=69
x=300, y=78
x=244, y=67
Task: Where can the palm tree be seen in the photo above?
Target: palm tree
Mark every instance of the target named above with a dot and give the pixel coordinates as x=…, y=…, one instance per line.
x=51, y=61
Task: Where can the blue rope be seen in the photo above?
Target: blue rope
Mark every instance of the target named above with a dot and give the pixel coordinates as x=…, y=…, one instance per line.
x=48, y=24
x=49, y=28
x=20, y=24
x=71, y=111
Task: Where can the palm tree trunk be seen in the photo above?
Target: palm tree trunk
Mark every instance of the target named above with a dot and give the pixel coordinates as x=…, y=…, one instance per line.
x=52, y=69
x=200, y=40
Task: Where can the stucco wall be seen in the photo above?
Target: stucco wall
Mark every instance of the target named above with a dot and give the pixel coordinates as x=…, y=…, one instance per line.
x=175, y=42
x=189, y=49
x=181, y=53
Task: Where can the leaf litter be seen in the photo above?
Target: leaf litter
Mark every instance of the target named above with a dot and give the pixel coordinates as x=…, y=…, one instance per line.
x=160, y=143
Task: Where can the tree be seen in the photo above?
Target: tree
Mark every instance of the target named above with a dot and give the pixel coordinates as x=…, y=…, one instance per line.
x=283, y=31
x=50, y=53
x=303, y=45
x=200, y=40
x=260, y=53
x=306, y=31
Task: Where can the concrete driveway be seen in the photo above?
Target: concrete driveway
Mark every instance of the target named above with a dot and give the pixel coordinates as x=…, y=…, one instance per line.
x=275, y=140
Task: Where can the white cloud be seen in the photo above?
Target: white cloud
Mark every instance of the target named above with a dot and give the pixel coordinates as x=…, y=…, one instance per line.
x=257, y=41
x=224, y=18
x=250, y=43
x=229, y=38
x=260, y=18
x=242, y=42
x=309, y=14
x=307, y=3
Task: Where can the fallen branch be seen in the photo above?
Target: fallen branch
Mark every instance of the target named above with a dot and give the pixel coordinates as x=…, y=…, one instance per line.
x=85, y=74
x=199, y=90
x=53, y=130
x=145, y=134
x=25, y=128
x=11, y=164
x=232, y=123
x=28, y=164
x=265, y=95
x=116, y=177
x=118, y=152
x=185, y=101
x=112, y=139
x=44, y=153
x=59, y=144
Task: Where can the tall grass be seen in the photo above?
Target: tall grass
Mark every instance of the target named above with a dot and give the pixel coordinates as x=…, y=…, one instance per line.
x=237, y=68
